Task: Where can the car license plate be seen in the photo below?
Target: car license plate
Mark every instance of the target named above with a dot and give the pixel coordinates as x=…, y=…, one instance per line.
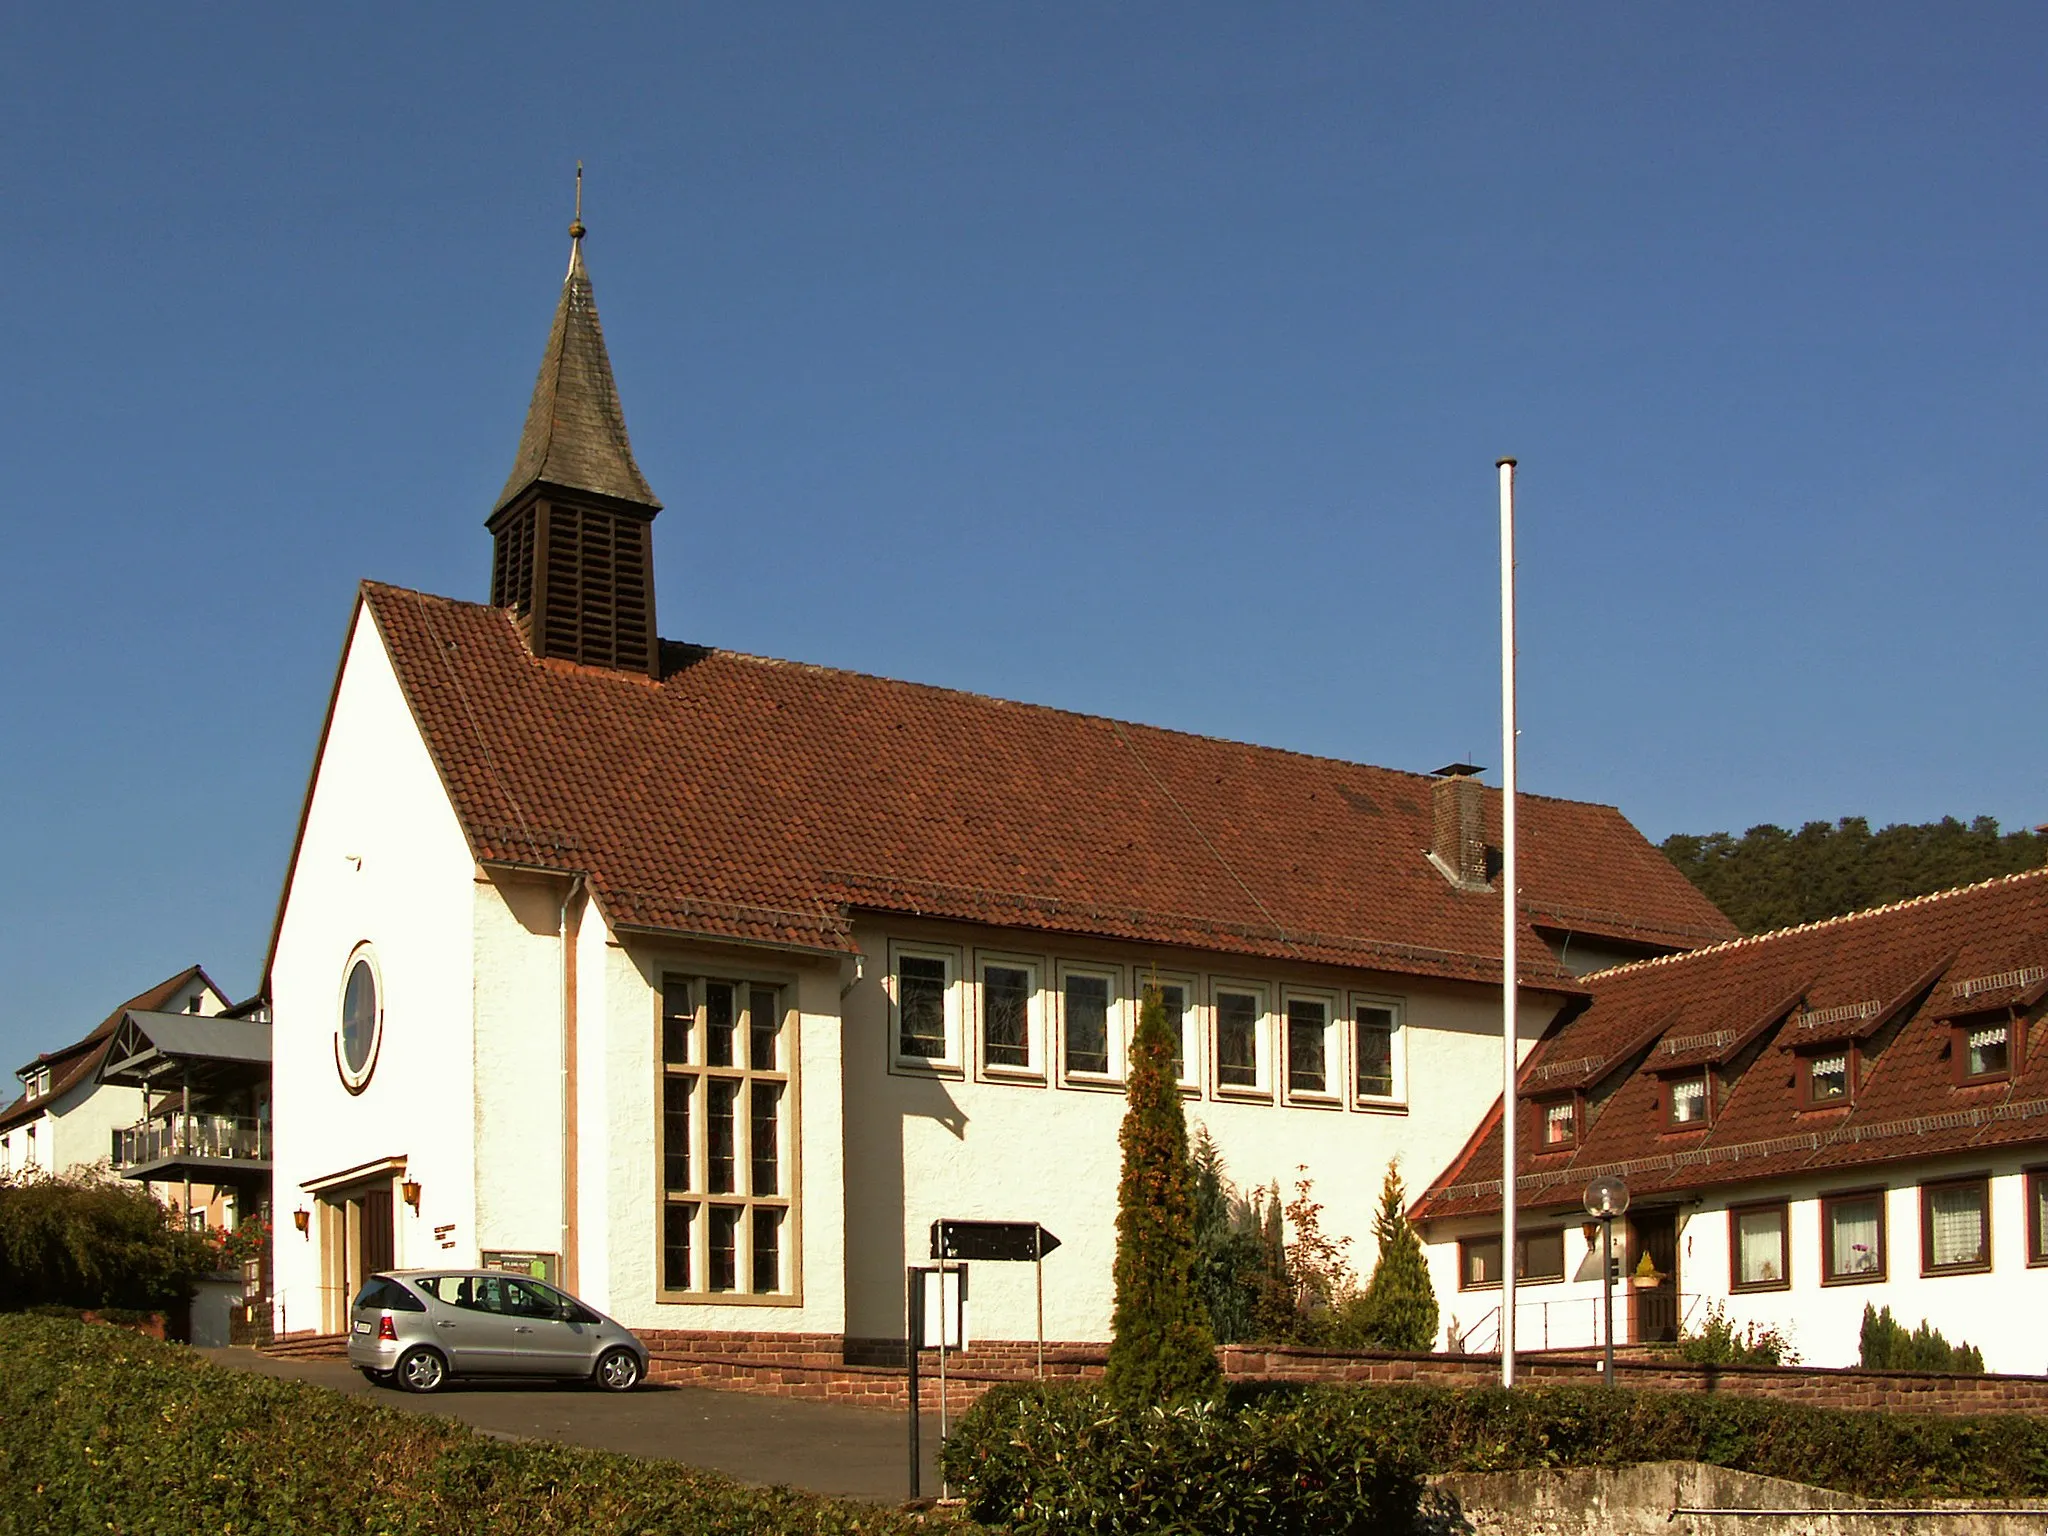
x=361, y=1326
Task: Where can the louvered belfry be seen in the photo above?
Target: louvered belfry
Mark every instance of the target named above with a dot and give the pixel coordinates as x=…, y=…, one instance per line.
x=573, y=555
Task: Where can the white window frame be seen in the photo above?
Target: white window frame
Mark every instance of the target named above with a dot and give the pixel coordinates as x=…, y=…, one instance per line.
x=1336, y=1059
x=1397, y=1052
x=1117, y=1031
x=950, y=1064
x=1190, y=1021
x=1261, y=1090
x=1033, y=1071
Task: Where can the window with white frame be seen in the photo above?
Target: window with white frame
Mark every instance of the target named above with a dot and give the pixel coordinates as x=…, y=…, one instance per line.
x=1012, y=1036
x=1313, y=1057
x=1378, y=1070
x=1176, y=996
x=726, y=1139
x=1240, y=1012
x=924, y=1007
x=1090, y=1042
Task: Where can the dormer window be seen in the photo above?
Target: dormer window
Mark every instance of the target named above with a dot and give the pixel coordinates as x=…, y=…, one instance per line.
x=1560, y=1124
x=1827, y=1079
x=1686, y=1099
x=38, y=1082
x=1986, y=1051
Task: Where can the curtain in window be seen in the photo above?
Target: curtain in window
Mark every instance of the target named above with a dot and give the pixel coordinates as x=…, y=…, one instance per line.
x=1955, y=1219
x=1760, y=1247
x=1557, y=1124
x=1987, y=1050
x=1689, y=1100
x=1830, y=1075
x=1854, y=1246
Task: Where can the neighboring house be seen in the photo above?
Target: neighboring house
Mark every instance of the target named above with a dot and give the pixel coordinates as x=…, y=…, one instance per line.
x=66, y=1118
x=1849, y=1112
x=704, y=982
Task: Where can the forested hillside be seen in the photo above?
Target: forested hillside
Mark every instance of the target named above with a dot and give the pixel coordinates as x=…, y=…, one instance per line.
x=1770, y=878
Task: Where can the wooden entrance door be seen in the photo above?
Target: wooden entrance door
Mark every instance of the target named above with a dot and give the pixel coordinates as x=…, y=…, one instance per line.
x=1653, y=1308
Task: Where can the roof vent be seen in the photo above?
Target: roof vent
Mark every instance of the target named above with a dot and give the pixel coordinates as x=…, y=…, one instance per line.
x=1458, y=839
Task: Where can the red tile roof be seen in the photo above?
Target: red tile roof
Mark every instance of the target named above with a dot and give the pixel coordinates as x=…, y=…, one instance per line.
x=1885, y=984
x=76, y=1062
x=763, y=801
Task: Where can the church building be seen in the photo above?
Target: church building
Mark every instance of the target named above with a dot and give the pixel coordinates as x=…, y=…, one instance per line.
x=703, y=983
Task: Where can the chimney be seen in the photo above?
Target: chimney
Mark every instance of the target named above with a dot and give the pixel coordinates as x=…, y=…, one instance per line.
x=1458, y=840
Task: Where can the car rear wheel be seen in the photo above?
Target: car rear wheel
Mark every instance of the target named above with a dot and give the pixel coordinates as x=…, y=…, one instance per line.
x=375, y=1377
x=421, y=1370
x=618, y=1370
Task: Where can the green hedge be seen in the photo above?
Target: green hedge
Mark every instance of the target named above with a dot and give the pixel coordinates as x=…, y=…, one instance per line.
x=1333, y=1458
x=1065, y=1459
x=110, y=1432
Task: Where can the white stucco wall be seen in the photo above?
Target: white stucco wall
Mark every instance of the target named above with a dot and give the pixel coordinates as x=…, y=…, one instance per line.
x=381, y=861
x=2004, y=1312
x=923, y=1146
x=519, y=1065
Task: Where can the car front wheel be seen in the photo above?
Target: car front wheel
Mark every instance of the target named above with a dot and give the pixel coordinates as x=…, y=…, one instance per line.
x=421, y=1370
x=618, y=1370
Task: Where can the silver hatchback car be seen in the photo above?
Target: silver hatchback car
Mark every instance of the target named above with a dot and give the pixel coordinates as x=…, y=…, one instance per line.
x=416, y=1328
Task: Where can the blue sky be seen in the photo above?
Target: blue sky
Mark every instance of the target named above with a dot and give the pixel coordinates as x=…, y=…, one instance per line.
x=1148, y=359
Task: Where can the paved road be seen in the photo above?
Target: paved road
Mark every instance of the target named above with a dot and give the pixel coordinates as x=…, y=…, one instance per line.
x=859, y=1453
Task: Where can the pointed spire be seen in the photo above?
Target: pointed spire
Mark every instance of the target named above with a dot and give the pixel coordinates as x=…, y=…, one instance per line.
x=575, y=435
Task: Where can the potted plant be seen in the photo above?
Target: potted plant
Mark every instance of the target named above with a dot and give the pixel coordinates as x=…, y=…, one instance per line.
x=1646, y=1275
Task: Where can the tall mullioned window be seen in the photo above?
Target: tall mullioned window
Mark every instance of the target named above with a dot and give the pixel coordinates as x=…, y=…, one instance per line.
x=726, y=1138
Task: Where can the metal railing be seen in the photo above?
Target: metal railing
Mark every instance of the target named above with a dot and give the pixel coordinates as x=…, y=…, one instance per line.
x=1567, y=1323
x=236, y=1138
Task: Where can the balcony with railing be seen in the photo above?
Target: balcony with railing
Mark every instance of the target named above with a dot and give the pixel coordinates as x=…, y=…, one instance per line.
x=204, y=1142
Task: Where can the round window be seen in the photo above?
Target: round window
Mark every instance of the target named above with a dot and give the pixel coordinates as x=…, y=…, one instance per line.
x=362, y=1023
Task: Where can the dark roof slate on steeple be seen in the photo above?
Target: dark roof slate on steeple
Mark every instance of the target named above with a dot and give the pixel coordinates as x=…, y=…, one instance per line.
x=575, y=435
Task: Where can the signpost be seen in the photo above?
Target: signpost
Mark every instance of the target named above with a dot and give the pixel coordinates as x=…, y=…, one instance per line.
x=954, y=1243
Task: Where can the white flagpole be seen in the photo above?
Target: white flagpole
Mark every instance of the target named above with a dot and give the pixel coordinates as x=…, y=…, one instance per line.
x=1509, y=1108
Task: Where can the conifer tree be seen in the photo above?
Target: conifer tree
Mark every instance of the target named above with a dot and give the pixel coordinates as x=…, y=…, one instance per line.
x=1161, y=1347
x=1398, y=1310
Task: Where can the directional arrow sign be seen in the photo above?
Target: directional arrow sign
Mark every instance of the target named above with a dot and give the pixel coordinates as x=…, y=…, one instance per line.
x=995, y=1241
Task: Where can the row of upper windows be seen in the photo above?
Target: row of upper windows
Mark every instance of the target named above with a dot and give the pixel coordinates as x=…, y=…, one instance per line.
x=1983, y=1053
x=1955, y=1239
x=1023, y=1019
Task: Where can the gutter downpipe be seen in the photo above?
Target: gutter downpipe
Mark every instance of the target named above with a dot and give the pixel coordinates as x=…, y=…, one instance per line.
x=569, y=1279
x=1508, y=988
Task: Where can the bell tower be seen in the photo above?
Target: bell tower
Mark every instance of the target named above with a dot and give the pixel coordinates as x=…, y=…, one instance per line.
x=572, y=547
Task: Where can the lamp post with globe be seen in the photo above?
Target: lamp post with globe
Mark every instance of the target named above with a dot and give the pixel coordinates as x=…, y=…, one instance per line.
x=1606, y=1198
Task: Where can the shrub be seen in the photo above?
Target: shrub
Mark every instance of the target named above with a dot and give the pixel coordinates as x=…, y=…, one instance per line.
x=1715, y=1342
x=92, y=1241
x=1039, y=1455
x=1887, y=1345
x=1160, y=1349
x=1398, y=1309
x=1050, y=1461
x=141, y=1437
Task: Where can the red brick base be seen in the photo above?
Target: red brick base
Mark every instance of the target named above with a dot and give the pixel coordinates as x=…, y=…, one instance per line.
x=871, y=1372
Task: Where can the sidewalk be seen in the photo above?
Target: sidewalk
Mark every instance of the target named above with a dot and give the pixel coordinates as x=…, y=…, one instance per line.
x=860, y=1453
